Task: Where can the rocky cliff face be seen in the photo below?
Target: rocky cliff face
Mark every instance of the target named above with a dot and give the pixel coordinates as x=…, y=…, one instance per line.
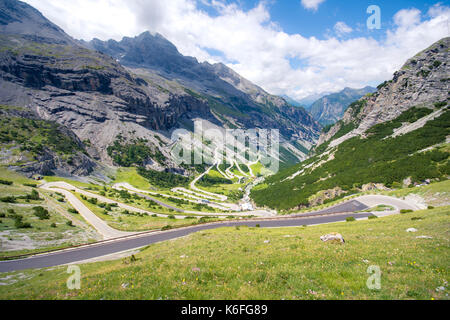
x=331, y=108
x=45, y=70
x=247, y=104
x=422, y=81
x=22, y=149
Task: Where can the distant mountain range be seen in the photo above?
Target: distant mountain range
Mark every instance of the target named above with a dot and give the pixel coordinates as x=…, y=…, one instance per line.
x=309, y=100
x=330, y=108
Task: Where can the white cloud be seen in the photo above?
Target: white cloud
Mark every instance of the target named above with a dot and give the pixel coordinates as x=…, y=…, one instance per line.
x=259, y=49
x=312, y=4
x=341, y=28
x=407, y=18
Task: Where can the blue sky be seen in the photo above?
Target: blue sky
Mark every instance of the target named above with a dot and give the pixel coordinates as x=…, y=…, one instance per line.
x=291, y=47
x=293, y=18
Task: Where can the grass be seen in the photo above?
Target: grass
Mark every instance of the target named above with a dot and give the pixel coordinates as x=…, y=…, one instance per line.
x=78, y=184
x=436, y=194
x=230, y=190
x=131, y=176
x=380, y=208
x=232, y=263
x=120, y=221
x=9, y=175
x=41, y=236
x=259, y=170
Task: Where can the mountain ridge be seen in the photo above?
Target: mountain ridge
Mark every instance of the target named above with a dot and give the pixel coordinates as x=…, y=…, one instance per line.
x=61, y=80
x=331, y=108
x=396, y=137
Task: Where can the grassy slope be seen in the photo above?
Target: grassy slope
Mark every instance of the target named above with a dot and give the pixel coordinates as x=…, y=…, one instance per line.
x=131, y=176
x=237, y=264
x=360, y=161
x=116, y=219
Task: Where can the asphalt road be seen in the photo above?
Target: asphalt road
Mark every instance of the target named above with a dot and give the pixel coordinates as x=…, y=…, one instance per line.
x=351, y=206
x=115, y=246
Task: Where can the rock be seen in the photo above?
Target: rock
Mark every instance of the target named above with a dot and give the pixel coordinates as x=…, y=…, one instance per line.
x=424, y=237
x=407, y=182
x=125, y=285
x=411, y=230
x=196, y=269
x=440, y=289
x=267, y=241
x=373, y=186
x=333, y=237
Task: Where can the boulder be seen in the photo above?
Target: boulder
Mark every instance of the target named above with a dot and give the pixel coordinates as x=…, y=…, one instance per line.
x=333, y=237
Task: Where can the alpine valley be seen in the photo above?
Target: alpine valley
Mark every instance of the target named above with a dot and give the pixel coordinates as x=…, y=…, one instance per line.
x=88, y=177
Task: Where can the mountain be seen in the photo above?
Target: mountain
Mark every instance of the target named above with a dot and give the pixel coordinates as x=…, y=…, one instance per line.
x=330, y=108
x=17, y=17
x=422, y=81
x=291, y=101
x=309, y=100
x=232, y=98
x=393, y=138
x=128, y=95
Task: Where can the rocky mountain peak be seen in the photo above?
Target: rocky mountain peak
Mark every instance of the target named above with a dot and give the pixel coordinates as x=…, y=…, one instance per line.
x=19, y=18
x=421, y=82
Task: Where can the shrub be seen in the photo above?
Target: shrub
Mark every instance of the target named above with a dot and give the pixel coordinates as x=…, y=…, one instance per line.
x=405, y=211
x=373, y=217
x=166, y=228
x=41, y=213
x=53, y=225
x=5, y=182
x=9, y=199
x=2, y=215
x=163, y=179
x=93, y=201
x=34, y=195
x=171, y=216
x=32, y=185
x=430, y=207
x=72, y=210
x=350, y=219
x=19, y=224
x=69, y=223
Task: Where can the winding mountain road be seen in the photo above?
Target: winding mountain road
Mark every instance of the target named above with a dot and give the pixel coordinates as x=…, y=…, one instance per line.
x=333, y=214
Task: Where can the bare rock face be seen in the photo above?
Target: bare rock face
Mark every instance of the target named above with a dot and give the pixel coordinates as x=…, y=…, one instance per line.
x=249, y=105
x=422, y=82
x=333, y=238
x=138, y=88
